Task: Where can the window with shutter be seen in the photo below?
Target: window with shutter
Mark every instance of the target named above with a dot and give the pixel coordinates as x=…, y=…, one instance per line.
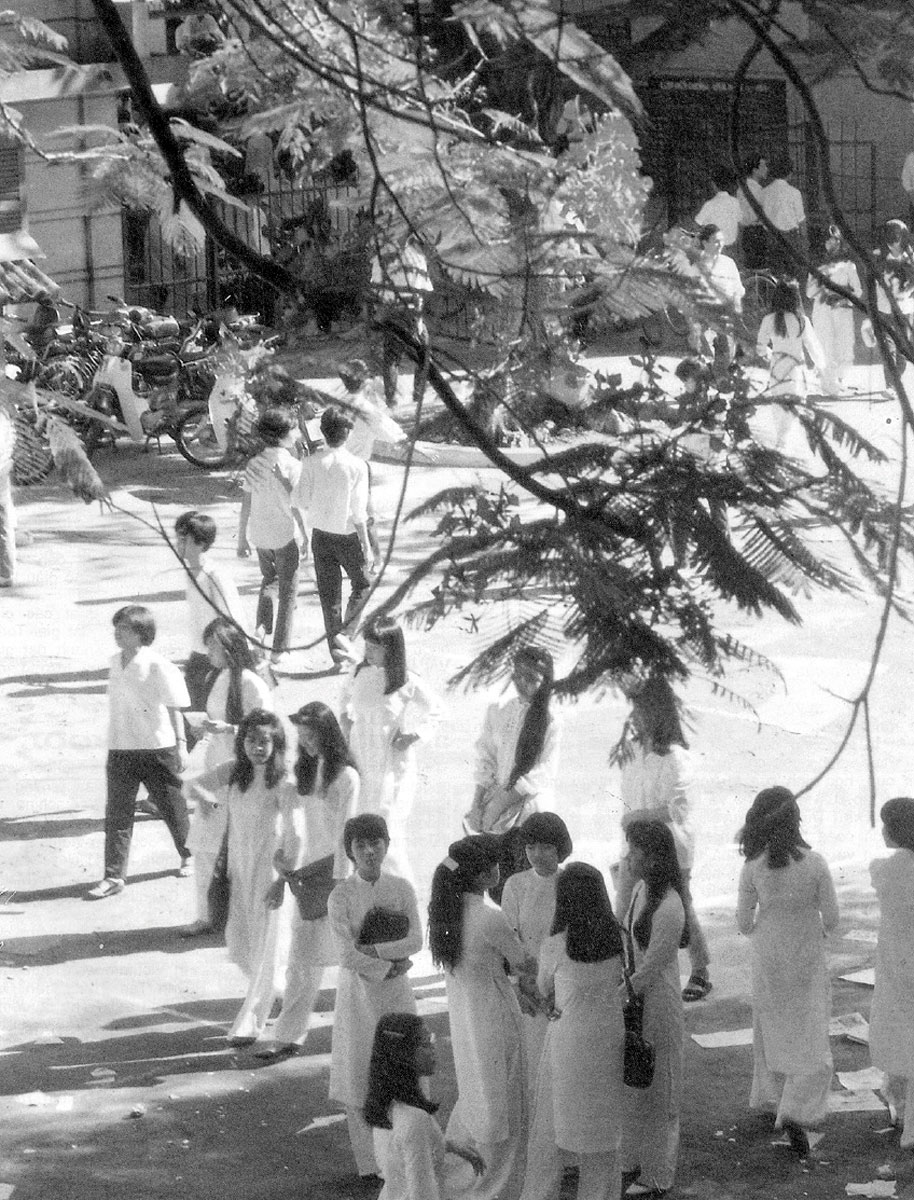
x=12, y=213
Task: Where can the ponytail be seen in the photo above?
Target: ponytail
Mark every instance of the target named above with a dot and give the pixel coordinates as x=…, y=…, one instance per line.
x=456, y=875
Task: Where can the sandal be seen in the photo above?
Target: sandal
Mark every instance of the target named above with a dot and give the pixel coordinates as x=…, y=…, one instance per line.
x=107, y=887
x=697, y=988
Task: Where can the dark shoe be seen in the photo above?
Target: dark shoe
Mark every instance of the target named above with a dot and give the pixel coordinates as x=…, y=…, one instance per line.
x=107, y=887
x=273, y=1053
x=799, y=1142
x=239, y=1043
x=697, y=988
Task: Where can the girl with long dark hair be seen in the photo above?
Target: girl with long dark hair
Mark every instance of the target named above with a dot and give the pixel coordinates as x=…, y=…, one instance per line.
x=517, y=751
x=656, y=928
x=579, y=1093
x=234, y=688
x=786, y=903
x=655, y=784
x=386, y=711
x=252, y=789
x=892, y=1011
x=833, y=316
x=312, y=823
x=786, y=339
x=409, y=1143
x=471, y=942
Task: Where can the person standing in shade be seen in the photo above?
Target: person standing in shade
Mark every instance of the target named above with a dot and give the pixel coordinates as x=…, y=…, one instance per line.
x=754, y=234
x=146, y=744
x=210, y=593
x=892, y=1011
x=783, y=206
x=270, y=522
x=722, y=210
x=401, y=282
x=787, y=905
x=333, y=493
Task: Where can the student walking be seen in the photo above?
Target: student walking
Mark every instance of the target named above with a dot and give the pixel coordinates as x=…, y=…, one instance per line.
x=234, y=689
x=375, y=924
x=270, y=523
x=579, y=1092
x=146, y=744
x=210, y=593
x=386, y=712
x=723, y=209
x=786, y=903
x=471, y=943
x=833, y=316
x=333, y=492
x=408, y=1140
x=656, y=928
x=783, y=206
x=787, y=340
x=528, y=902
x=892, y=1011
x=311, y=831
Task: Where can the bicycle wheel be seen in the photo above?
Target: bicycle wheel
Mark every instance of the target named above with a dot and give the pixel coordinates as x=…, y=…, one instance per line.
x=196, y=440
x=760, y=287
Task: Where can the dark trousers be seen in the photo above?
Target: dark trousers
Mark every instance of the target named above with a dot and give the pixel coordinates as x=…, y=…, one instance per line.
x=392, y=353
x=279, y=567
x=125, y=770
x=333, y=554
x=754, y=239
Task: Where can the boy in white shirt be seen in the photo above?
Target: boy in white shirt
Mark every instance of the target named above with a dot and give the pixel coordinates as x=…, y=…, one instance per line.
x=723, y=209
x=270, y=522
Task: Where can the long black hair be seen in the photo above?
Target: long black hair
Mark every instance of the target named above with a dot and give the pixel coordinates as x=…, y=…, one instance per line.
x=773, y=825
x=242, y=772
x=897, y=815
x=654, y=704
x=532, y=736
x=388, y=634
x=456, y=875
x=661, y=872
x=240, y=658
x=583, y=912
x=333, y=748
x=392, y=1073
x=785, y=299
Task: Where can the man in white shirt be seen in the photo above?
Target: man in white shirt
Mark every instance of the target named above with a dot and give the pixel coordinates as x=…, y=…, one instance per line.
x=783, y=206
x=333, y=493
x=146, y=744
x=753, y=231
x=722, y=210
x=210, y=593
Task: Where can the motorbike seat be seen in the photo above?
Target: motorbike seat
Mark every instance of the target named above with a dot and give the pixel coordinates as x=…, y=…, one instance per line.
x=158, y=365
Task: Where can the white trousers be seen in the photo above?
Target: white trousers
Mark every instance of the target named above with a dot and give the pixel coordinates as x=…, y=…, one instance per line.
x=361, y=1139
x=204, y=863
x=801, y=1098
x=307, y=957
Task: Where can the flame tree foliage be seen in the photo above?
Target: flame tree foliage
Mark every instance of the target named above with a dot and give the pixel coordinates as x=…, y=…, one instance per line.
x=638, y=531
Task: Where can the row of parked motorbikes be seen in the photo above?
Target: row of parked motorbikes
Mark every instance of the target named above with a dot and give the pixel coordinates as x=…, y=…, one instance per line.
x=132, y=372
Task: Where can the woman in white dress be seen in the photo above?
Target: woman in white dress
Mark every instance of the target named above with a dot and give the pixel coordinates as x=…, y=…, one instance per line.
x=253, y=788
x=528, y=901
x=327, y=793
x=721, y=279
x=386, y=710
x=832, y=315
x=892, y=1011
x=895, y=290
x=373, y=973
x=471, y=942
x=656, y=928
x=579, y=1092
x=518, y=749
x=234, y=689
x=785, y=339
x=655, y=781
x=787, y=904
x=409, y=1143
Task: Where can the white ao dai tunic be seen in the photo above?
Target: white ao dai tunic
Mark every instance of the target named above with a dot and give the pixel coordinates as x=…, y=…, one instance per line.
x=892, y=1012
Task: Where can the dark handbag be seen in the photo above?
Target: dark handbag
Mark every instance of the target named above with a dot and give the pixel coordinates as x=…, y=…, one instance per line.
x=219, y=890
x=638, y=1071
x=383, y=925
x=311, y=886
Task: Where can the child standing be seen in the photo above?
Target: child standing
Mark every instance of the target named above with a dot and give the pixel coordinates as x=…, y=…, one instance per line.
x=786, y=903
x=146, y=744
x=273, y=526
x=373, y=969
x=832, y=316
x=210, y=593
x=472, y=942
x=892, y=1012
